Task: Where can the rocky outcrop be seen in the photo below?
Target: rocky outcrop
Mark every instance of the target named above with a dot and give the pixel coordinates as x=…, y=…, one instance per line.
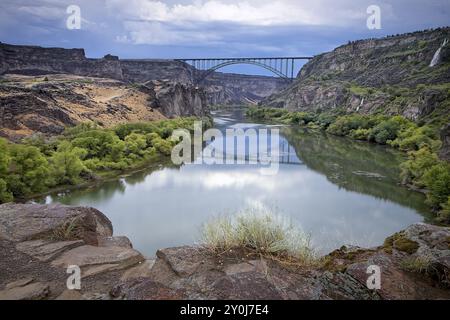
x=414, y=264
x=25, y=222
x=174, y=99
x=139, y=71
x=41, y=241
x=390, y=75
x=34, y=60
x=48, y=104
x=194, y=273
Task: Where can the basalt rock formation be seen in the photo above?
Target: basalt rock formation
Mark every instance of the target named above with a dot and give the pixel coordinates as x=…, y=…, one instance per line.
x=393, y=75
x=41, y=241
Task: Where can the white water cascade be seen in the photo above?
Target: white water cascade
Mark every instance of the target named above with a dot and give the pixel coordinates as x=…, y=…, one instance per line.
x=437, y=54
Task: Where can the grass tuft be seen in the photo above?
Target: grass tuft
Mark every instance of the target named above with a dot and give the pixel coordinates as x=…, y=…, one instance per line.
x=417, y=264
x=262, y=232
x=69, y=230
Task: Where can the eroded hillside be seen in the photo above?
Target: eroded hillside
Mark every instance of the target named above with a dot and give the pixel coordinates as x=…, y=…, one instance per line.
x=47, y=104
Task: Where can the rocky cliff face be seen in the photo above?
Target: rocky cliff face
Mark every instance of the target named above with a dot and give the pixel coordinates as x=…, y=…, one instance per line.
x=391, y=75
x=41, y=241
x=31, y=104
x=174, y=99
x=234, y=89
x=31, y=60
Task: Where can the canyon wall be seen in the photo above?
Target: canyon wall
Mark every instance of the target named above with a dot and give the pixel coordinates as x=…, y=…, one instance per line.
x=233, y=89
x=221, y=88
x=393, y=75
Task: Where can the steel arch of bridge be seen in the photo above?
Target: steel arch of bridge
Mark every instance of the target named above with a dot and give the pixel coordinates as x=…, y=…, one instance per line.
x=283, y=67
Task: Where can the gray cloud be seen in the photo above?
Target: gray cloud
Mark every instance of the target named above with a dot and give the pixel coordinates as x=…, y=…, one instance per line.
x=187, y=28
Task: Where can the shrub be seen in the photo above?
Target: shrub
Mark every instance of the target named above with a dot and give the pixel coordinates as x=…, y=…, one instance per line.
x=4, y=157
x=324, y=120
x=388, y=130
x=302, y=117
x=437, y=181
x=258, y=231
x=414, y=138
x=135, y=143
x=5, y=195
x=360, y=134
x=418, y=162
x=101, y=144
x=344, y=124
x=28, y=171
x=162, y=146
x=67, y=164
x=444, y=214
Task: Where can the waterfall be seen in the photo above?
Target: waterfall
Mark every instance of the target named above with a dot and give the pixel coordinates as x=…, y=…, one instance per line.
x=437, y=54
x=360, y=104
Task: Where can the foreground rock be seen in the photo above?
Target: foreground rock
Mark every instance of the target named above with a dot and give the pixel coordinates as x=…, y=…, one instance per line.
x=414, y=264
x=39, y=242
x=194, y=273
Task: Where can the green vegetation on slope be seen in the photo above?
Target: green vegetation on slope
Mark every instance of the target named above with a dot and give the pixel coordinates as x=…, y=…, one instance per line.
x=422, y=170
x=81, y=154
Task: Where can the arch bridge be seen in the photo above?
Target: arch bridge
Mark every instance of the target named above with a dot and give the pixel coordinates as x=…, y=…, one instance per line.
x=283, y=67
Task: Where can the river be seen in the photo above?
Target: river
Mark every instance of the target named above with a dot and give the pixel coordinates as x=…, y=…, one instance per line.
x=338, y=190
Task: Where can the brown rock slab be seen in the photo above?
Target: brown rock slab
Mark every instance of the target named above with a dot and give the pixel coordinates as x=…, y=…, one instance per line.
x=70, y=295
x=93, y=260
x=141, y=270
x=116, y=241
x=19, y=283
x=22, y=222
x=45, y=250
x=30, y=291
x=184, y=260
x=248, y=266
x=246, y=285
x=145, y=289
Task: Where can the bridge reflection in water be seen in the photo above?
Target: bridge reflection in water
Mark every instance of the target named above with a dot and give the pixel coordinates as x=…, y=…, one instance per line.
x=283, y=67
x=244, y=154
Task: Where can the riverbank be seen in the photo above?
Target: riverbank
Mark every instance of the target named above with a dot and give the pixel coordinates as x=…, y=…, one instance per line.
x=423, y=171
x=83, y=155
x=42, y=240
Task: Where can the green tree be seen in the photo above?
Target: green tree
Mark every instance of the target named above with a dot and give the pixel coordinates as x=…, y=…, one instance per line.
x=444, y=214
x=135, y=143
x=101, y=144
x=437, y=182
x=388, y=130
x=418, y=162
x=67, y=165
x=28, y=171
x=5, y=195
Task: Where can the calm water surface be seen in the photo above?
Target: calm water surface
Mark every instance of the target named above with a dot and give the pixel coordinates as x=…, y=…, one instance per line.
x=339, y=191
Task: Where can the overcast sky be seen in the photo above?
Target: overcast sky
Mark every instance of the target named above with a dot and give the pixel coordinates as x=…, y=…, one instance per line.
x=211, y=28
